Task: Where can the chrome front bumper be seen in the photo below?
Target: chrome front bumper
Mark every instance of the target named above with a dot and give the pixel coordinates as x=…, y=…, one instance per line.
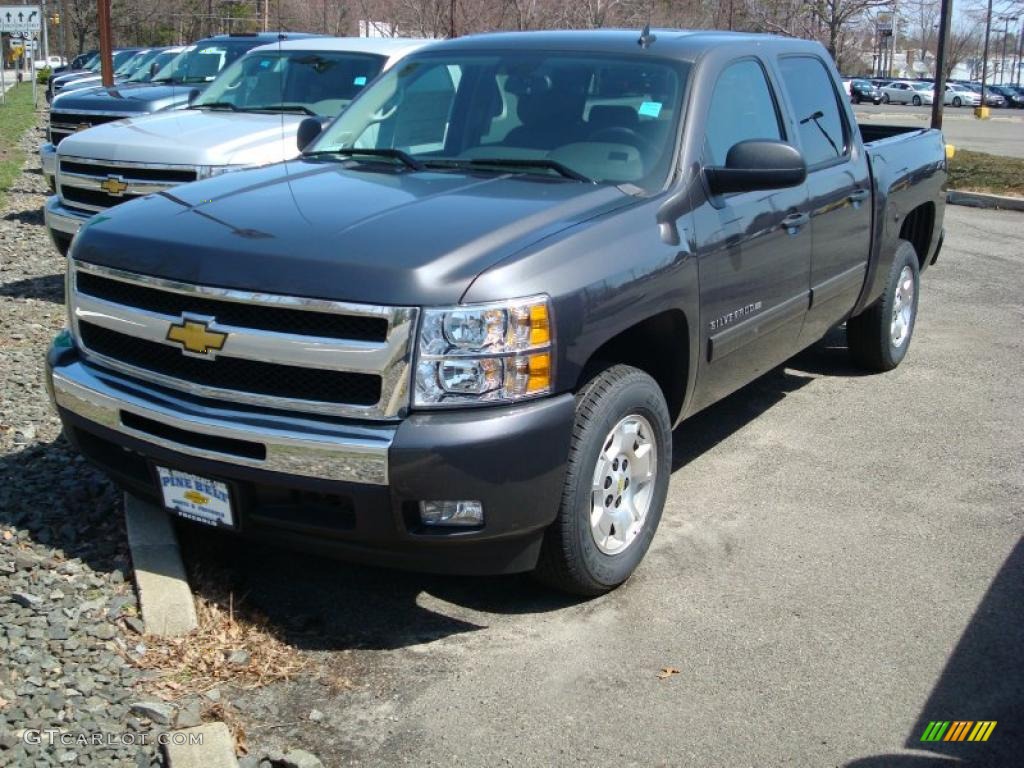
x=61, y=219
x=295, y=445
x=48, y=159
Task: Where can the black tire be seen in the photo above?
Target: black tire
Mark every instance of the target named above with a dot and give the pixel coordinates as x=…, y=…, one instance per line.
x=570, y=559
x=957, y=102
x=885, y=98
x=857, y=99
x=917, y=101
x=869, y=334
x=62, y=241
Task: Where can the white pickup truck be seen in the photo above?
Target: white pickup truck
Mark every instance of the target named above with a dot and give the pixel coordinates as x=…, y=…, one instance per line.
x=249, y=116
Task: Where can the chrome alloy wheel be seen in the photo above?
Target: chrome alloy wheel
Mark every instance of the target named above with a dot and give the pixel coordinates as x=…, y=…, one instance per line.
x=902, y=308
x=623, y=484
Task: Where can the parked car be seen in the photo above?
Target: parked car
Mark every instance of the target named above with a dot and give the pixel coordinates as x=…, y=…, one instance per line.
x=992, y=98
x=171, y=88
x=140, y=62
x=457, y=333
x=50, y=62
x=118, y=58
x=908, y=92
x=959, y=95
x=248, y=116
x=863, y=90
x=1011, y=96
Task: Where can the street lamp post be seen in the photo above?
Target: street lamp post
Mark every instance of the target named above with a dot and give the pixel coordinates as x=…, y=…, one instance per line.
x=1002, y=63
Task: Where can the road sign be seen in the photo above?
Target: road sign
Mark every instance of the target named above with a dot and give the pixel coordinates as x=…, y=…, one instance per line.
x=20, y=18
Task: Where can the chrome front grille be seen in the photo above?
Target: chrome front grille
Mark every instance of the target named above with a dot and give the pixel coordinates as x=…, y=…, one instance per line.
x=95, y=185
x=282, y=352
x=63, y=124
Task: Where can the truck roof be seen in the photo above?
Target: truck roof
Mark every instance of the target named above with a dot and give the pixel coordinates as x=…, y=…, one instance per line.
x=673, y=43
x=385, y=46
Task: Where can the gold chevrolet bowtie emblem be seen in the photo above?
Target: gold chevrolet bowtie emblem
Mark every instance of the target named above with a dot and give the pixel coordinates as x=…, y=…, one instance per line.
x=196, y=337
x=113, y=186
x=82, y=127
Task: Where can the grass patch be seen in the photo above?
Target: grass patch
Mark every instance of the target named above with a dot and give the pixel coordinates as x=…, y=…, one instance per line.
x=16, y=117
x=981, y=172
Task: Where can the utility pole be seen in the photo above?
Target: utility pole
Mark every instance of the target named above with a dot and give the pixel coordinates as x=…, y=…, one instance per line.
x=984, y=59
x=1020, y=52
x=106, y=43
x=451, y=19
x=939, y=96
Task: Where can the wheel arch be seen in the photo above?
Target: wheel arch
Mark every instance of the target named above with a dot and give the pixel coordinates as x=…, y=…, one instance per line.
x=658, y=345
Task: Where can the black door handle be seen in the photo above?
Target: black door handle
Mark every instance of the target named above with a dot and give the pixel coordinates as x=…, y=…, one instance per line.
x=795, y=221
x=859, y=196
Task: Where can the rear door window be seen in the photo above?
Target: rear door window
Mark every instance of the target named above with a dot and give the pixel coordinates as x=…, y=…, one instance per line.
x=823, y=134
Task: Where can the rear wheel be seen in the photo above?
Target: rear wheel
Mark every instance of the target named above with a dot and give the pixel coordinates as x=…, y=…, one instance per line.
x=885, y=98
x=957, y=102
x=879, y=337
x=917, y=101
x=616, y=482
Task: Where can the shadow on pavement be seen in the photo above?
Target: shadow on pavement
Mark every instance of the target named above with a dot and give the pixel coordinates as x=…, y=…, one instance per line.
x=317, y=603
x=31, y=216
x=983, y=680
x=45, y=288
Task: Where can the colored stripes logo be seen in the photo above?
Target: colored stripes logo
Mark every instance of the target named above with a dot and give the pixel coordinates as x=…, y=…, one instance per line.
x=958, y=730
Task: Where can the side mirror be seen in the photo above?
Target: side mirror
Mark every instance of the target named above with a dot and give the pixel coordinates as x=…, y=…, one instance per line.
x=309, y=129
x=153, y=69
x=758, y=164
x=193, y=95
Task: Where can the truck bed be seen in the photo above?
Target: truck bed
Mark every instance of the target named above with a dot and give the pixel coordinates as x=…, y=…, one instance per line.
x=872, y=133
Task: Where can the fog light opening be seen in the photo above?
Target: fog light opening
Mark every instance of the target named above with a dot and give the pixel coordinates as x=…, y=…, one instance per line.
x=452, y=513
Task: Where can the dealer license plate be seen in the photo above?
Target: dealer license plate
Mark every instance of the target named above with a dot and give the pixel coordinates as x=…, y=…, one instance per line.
x=197, y=498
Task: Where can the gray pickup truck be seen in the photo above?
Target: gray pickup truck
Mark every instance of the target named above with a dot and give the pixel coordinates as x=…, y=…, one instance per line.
x=456, y=334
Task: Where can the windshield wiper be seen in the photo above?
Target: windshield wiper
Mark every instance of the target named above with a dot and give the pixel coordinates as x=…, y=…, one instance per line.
x=403, y=157
x=523, y=164
x=216, y=105
x=283, y=108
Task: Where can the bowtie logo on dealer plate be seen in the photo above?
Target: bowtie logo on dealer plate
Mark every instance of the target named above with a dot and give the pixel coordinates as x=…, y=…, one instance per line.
x=114, y=185
x=196, y=338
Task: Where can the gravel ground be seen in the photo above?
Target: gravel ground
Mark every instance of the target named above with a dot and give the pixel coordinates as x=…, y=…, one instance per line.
x=66, y=602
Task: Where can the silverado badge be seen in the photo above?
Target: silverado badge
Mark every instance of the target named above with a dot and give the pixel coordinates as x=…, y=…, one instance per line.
x=196, y=337
x=113, y=185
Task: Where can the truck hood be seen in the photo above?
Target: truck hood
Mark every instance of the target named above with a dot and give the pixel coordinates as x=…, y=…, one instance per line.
x=190, y=137
x=340, y=231
x=136, y=97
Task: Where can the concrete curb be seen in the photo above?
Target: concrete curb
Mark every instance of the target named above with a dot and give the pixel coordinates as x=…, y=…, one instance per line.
x=984, y=200
x=205, y=746
x=165, y=598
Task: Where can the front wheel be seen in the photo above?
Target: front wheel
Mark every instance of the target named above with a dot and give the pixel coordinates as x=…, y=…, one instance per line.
x=885, y=99
x=917, y=101
x=616, y=482
x=879, y=337
x=956, y=102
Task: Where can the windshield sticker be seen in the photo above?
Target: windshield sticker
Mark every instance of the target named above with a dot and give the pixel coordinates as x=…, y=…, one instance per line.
x=361, y=80
x=650, y=108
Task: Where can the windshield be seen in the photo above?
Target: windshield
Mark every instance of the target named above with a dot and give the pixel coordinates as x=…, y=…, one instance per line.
x=93, y=64
x=318, y=83
x=162, y=58
x=922, y=86
x=607, y=119
x=200, y=64
x=132, y=65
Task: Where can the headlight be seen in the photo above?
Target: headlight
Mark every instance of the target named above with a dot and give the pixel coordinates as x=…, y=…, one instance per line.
x=484, y=353
x=208, y=171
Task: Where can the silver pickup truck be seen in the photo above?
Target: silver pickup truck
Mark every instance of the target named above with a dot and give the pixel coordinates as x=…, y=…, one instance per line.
x=249, y=116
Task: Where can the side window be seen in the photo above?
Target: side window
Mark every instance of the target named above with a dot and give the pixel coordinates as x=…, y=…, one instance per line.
x=813, y=96
x=742, y=108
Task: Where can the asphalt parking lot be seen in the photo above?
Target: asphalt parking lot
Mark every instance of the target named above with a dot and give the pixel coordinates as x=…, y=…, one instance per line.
x=840, y=562
x=1001, y=134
